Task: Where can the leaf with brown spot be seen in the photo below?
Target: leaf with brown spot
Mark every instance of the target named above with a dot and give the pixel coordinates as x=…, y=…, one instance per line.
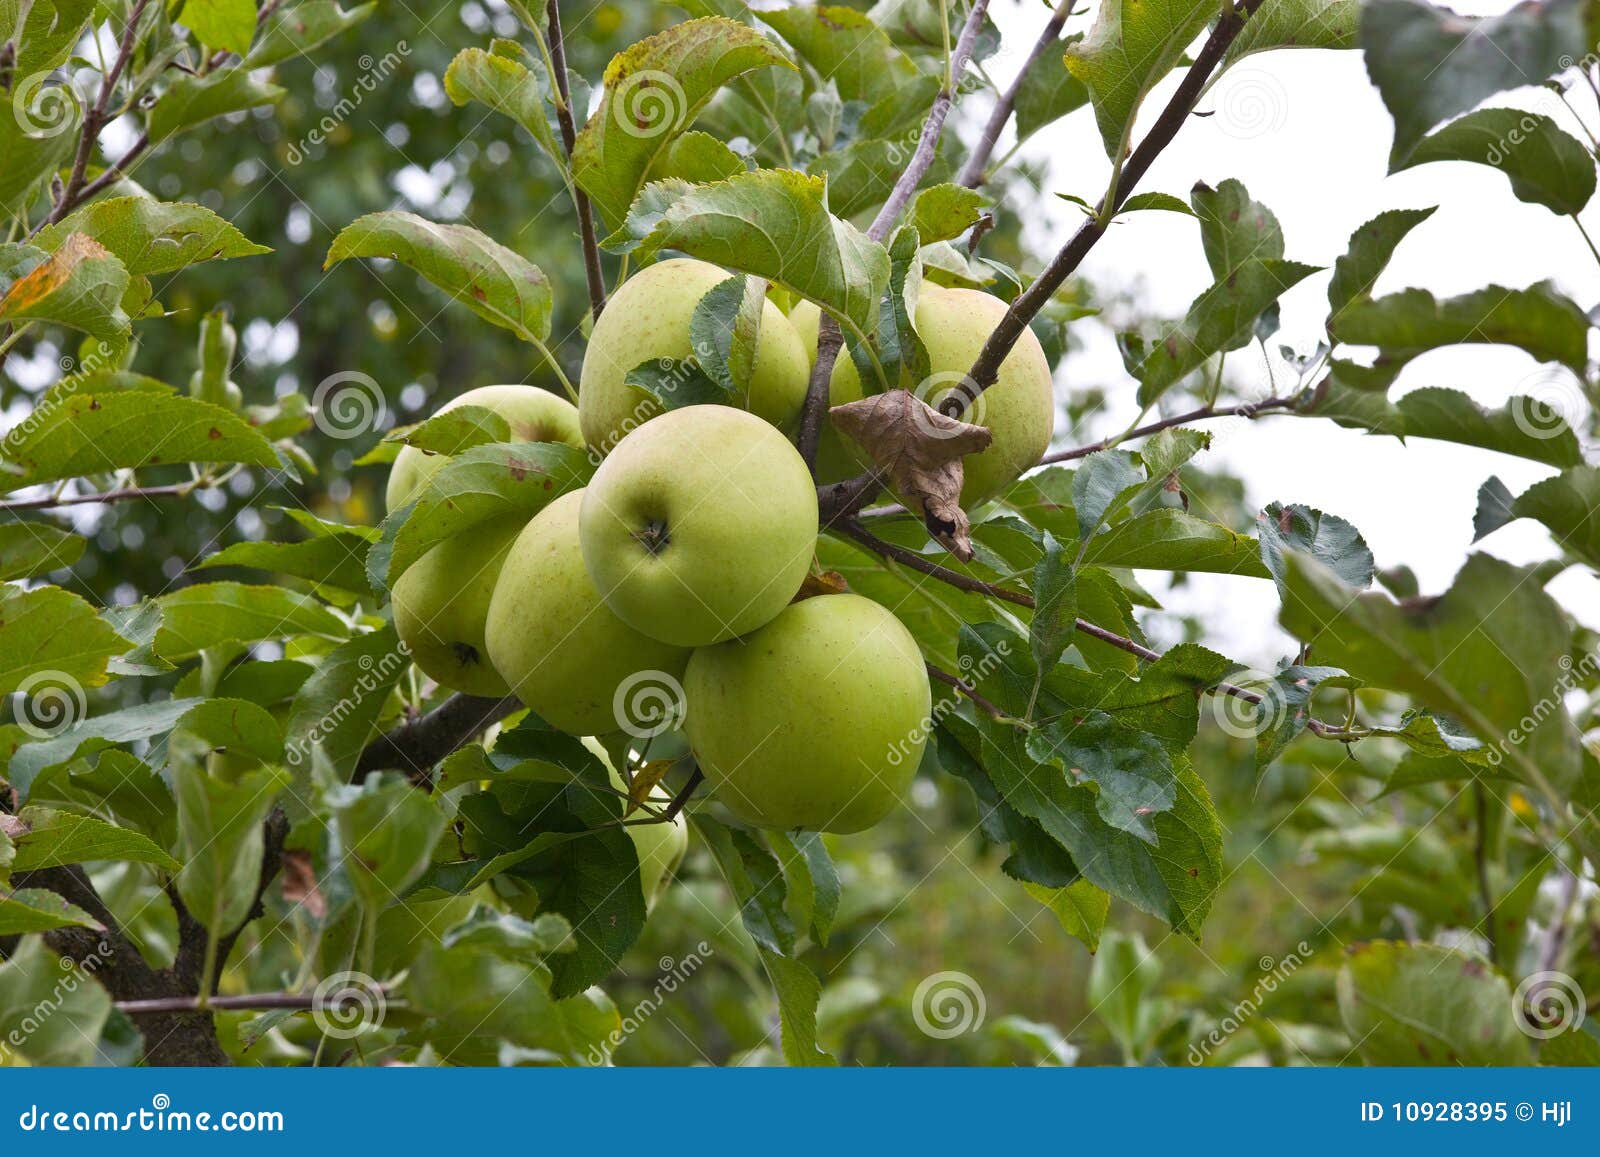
x=80, y=285
x=300, y=883
x=920, y=452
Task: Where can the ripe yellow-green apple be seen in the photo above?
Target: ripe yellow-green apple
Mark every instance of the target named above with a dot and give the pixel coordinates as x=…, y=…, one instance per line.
x=1019, y=408
x=647, y=319
x=699, y=526
x=816, y=721
x=563, y=652
x=660, y=846
x=534, y=415
x=441, y=604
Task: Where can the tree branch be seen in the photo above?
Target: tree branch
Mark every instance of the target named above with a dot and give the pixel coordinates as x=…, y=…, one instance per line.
x=259, y=1000
x=972, y=172
x=1242, y=410
x=829, y=339
x=569, y=136
x=127, y=494
x=416, y=746
x=94, y=119
x=940, y=675
x=1031, y=300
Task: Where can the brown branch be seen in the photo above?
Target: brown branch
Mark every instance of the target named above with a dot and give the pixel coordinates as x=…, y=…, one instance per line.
x=94, y=119
x=127, y=494
x=965, y=688
x=1031, y=300
x=416, y=746
x=569, y=137
x=308, y=1001
x=814, y=411
x=972, y=172
x=679, y=801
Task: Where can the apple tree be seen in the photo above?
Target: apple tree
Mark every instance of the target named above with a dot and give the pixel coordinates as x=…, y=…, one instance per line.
x=790, y=518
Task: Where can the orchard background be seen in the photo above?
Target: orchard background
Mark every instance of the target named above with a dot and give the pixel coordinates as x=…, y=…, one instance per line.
x=1323, y=813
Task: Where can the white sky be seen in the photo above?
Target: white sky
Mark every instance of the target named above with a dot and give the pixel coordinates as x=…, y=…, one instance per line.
x=1308, y=135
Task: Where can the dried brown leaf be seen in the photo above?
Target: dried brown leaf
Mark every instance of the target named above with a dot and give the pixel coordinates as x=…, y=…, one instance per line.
x=919, y=450
x=827, y=583
x=300, y=883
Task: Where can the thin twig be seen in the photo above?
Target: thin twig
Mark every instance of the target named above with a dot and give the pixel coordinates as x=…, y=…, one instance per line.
x=1242, y=410
x=967, y=689
x=815, y=409
x=569, y=136
x=972, y=172
x=127, y=494
x=264, y=1001
x=679, y=801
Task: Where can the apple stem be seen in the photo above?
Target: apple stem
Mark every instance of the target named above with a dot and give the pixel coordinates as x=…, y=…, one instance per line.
x=696, y=778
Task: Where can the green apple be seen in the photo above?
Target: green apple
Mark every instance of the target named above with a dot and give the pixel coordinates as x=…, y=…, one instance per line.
x=1019, y=408
x=562, y=651
x=441, y=603
x=816, y=721
x=647, y=319
x=534, y=415
x=660, y=846
x=701, y=525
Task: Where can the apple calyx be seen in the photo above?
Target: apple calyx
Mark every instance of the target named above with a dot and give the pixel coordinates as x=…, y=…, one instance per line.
x=920, y=450
x=655, y=537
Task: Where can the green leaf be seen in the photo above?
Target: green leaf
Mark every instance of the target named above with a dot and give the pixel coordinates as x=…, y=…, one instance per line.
x=96, y=433
x=1132, y=45
x=36, y=141
x=1080, y=908
x=798, y=991
x=1168, y=539
x=55, y=838
x=1368, y=255
x=1296, y=24
x=1102, y=486
x=330, y=561
x=37, y=910
x=654, y=90
x=944, y=212
x=1217, y=320
x=126, y=726
x=675, y=384
x=150, y=236
x=509, y=87
x=32, y=979
x=724, y=328
x=1165, y=202
x=1131, y=769
x=756, y=879
x=1047, y=90
x=1235, y=230
x=497, y=284
x=1494, y=508
x=1524, y=426
x=294, y=30
x=514, y=480
x=193, y=100
x=225, y=24
x=111, y=782
x=775, y=224
x=80, y=285
x=53, y=645
x=1056, y=610
x=1423, y=1004
x=1539, y=319
x=1489, y=652
x=31, y=549
x=698, y=158
x=1329, y=539
x=48, y=34
x=1545, y=164
x=1430, y=63
x=387, y=830
x=846, y=47
x=220, y=839
x=861, y=175
x=199, y=617
x=339, y=706
x=1569, y=507
x=901, y=350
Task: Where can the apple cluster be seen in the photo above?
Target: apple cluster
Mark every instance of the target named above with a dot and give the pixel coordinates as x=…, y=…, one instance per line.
x=683, y=560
